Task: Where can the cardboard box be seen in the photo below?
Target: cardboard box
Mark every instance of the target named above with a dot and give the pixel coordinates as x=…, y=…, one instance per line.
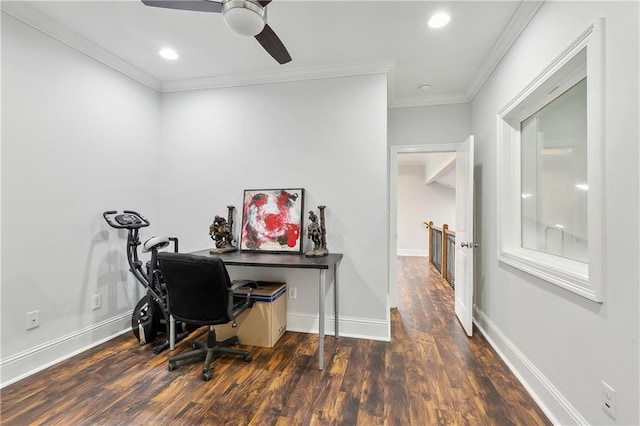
x=263, y=324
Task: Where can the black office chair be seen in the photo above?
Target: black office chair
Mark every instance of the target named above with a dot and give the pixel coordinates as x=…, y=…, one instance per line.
x=199, y=292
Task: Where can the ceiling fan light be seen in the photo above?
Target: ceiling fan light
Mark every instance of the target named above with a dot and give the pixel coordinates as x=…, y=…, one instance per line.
x=244, y=17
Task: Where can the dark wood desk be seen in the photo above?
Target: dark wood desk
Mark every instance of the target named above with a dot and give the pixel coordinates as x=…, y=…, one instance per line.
x=295, y=261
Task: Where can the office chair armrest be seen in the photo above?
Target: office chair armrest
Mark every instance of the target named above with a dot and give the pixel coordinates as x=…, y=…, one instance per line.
x=236, y=284
x=233, y=308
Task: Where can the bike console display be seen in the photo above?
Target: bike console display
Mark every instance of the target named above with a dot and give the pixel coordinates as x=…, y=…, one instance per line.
x=128, y=219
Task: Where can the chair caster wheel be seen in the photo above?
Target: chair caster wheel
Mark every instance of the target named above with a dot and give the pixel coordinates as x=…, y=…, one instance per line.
x=206, y=376
x=235, y=342
x=172, y=366
x=248, y=358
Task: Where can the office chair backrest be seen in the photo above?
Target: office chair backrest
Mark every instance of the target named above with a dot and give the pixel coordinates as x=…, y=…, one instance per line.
x=197, y=288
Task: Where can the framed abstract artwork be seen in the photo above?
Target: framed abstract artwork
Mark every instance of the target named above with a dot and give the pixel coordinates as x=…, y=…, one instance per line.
x=272, y=220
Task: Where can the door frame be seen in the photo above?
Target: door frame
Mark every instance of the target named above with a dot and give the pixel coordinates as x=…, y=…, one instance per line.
x=394, y=150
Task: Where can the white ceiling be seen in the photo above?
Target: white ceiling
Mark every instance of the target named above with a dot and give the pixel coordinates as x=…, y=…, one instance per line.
x=324, y=38
x=438, y=167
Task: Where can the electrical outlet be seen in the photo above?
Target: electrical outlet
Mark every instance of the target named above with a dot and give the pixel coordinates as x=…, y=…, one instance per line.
x=96, y=301
x=33, y=319
x=609, y=400
x=293, y=292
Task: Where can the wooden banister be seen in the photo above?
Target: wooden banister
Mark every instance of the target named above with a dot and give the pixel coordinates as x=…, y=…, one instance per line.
x=443, y=270
x=430, y=228
x=441, y=249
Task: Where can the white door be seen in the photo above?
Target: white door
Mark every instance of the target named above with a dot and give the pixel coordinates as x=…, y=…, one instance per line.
x=464, y=235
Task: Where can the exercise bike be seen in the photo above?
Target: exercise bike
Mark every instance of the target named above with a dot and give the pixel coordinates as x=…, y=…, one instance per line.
x=151, y=313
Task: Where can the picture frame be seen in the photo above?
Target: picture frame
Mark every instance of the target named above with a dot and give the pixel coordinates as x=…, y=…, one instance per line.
x=272, y=220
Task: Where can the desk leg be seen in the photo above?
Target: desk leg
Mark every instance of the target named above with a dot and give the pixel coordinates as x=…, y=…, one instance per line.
x=172, y=332
x=323, y=278
x=335, y=299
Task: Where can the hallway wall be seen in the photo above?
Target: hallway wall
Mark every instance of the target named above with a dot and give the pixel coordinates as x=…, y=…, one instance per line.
x=418, y=203
x=561, y=344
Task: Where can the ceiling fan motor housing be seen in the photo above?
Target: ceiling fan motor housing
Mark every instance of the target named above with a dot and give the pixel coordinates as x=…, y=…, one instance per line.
x=244, y=16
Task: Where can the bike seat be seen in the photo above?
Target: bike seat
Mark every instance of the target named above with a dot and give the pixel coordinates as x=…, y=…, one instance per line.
x=156, y=243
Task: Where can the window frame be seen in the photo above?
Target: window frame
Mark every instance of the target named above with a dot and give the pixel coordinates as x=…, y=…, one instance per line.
x=583, y=58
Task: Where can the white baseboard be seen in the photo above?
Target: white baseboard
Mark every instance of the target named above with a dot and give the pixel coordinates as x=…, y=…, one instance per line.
x=31, y=361
x=348, y=327
x=412, y=252
x=556, y=407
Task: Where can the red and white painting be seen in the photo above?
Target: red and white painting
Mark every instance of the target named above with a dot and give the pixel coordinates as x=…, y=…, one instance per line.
x=272, y=220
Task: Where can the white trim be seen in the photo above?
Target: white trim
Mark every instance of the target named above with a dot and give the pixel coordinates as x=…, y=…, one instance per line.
x=425, y=148
x=27, y=14
x=584, y=57
x=596, y=158
x=533, y=380
x=278, y=76
x=30, y=16
x=451, y=99
x=525, y=12
x=394, y=150
x=539, y=81
x=52, y=28
x=358, y=328
x=413, y=252
x=33, y=360
x=563, y=273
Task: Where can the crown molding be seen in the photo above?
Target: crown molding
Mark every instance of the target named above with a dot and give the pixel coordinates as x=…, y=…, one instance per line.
x=30, y=16
x=520, y=19
x=424, y=100
x=456, y=98
x=279, y=76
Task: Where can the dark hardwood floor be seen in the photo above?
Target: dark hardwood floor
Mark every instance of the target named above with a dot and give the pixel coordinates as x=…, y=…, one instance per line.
x=430, y=373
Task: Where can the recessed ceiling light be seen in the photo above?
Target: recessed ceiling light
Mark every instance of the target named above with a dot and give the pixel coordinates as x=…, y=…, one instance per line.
x=424, y=86
x=439, y=20
x=168, y=53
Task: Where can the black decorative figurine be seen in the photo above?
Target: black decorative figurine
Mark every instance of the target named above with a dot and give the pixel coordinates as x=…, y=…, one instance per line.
x=318, y=234
x=221, y=231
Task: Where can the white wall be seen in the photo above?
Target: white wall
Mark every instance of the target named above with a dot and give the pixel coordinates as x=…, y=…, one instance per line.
x=327, y=136
x=77, y=139
x=438, y=124
x=418, y=203
x=561, y=344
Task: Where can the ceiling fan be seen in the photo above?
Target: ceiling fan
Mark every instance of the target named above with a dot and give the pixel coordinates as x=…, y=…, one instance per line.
x=246, y=17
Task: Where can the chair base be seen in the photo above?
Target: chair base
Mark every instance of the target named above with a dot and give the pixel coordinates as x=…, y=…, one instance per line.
x=208, y=350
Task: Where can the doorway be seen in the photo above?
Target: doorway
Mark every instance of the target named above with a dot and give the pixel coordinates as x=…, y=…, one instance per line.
x=396, y=153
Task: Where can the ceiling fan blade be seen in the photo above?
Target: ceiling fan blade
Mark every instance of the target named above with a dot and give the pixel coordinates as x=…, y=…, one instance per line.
x=263, y=3
x=195, y=5
x=272, y=44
